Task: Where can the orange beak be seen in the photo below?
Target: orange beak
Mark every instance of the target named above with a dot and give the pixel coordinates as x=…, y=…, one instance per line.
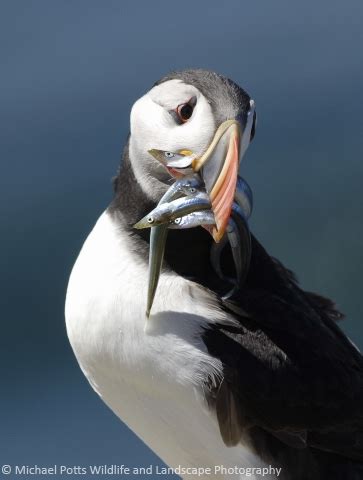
x=219, y=169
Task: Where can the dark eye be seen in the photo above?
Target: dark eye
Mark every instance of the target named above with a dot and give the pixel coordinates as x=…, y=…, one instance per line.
x=184, y=111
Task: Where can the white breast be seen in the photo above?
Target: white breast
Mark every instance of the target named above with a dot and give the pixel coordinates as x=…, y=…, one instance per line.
x=148, y=372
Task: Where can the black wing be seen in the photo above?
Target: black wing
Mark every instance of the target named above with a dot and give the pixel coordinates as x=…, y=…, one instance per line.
x=289, y=371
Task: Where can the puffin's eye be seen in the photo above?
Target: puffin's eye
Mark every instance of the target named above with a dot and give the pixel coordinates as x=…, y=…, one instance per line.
x=184, y=111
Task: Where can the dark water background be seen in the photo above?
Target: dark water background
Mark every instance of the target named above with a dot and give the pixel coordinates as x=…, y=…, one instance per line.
x=70, y=72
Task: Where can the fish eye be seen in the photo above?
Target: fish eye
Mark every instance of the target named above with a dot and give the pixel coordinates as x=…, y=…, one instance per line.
x=150, y=219
x=169, y=154
x=192, y=190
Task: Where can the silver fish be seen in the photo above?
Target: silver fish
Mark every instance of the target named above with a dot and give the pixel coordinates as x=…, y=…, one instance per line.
x=179, y=161
x=243, y=196
x=188, y=185
x=194, y=219
x=158, y=235
x=186, y=205
x=215, y=257
x=166, y=212
x=239, y=238
x=156, y=255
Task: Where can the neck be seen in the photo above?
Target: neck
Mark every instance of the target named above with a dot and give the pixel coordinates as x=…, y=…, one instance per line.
x=129, y=200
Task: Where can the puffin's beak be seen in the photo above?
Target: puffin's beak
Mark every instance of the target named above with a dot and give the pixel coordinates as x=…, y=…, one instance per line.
x=219, y=168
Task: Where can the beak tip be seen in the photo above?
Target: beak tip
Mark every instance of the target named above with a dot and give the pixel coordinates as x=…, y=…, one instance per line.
x=217, y=235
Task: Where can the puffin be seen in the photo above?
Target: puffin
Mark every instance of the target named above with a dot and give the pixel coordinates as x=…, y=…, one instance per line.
x=261, y=383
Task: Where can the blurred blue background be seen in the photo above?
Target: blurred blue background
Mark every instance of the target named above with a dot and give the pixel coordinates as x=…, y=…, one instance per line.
x=70, y=72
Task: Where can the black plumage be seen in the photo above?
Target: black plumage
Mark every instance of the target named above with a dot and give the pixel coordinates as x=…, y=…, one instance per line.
x=297, y=379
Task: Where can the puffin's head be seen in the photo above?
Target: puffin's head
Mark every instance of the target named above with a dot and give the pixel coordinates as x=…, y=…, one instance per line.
x=196, y=113
x=185, y=111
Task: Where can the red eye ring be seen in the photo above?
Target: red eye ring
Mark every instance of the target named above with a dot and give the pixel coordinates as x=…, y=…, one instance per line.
x=184, y=111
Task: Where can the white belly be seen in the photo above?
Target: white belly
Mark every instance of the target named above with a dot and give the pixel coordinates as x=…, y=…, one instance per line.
x=149, y=376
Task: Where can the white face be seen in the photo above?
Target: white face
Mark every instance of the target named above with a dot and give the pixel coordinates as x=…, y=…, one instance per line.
x=154, y=127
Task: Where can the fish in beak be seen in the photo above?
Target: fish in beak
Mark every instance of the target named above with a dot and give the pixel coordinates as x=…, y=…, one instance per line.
x=167, y=212
x=177, y=164
x=163, y=217
x=171, y=204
